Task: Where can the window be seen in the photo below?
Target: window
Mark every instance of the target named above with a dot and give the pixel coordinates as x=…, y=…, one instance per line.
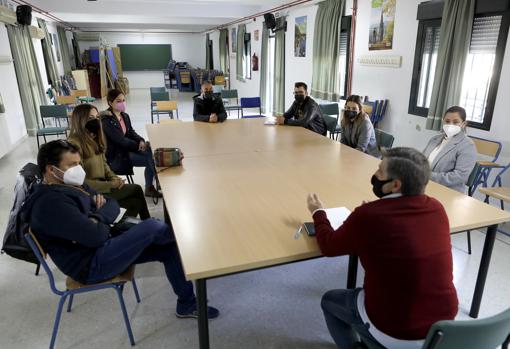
x=247, y=56
x=481, y=72
x=343, y=67
x=424, y=66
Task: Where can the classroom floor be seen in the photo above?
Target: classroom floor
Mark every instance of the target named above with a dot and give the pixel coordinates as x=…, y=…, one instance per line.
x=271, y=308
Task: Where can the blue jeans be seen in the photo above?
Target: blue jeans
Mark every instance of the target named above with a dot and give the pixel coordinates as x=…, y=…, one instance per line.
x=149, y=241
x=145, y=159
x=344, y=322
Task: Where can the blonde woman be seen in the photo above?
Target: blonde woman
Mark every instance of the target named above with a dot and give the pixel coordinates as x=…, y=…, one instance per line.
x=87, y=134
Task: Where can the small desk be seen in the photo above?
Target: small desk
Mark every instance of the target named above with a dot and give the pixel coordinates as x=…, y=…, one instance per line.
x=244, y=216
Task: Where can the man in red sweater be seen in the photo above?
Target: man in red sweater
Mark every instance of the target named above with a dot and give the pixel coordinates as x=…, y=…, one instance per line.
x=403, y=242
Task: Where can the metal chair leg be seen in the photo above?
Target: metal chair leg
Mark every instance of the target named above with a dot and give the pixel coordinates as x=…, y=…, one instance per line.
x=38, y=145
x=37, y=269
x=135, y=288
x=70, y=304
x=119, y=288
x=469, y=241
x=57, y=320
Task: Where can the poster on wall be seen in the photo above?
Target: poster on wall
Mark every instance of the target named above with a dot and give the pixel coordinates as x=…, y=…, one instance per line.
x=382, y=22
x=234, y=40
x=57, y=47
x=300, y=37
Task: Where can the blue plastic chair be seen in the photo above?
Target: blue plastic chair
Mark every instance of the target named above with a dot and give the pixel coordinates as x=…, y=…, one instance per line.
x=250, y=103
x=490, y=149
x=73, y=287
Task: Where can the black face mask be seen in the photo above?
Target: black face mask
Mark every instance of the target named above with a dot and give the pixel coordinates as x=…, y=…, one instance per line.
x=299, y=98
x=208, y=95
x=93, y=126
x=377, y=185
x=351, y=114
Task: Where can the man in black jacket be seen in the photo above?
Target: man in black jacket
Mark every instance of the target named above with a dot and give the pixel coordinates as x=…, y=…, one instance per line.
x=72, y=223
x=304, y=112
x=208, y=107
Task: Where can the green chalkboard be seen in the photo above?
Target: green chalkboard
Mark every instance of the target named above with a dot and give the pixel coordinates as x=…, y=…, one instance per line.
x=145, y=56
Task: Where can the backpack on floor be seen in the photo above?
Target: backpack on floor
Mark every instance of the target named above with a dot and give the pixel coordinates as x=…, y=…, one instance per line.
x=14, y=241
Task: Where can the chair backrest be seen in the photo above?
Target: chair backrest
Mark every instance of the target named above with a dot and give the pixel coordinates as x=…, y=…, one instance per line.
x=473, y=175
x=170, y=121
x=79, y=93
x=487, y=333
x=228, y=94
x=166, y=105
x=331, y=123
x=330, y=109
x=219, y=80
x=66, y=100
x=41, y=257
x=384, y=140
x=53, y=111
x=487, y=147
x=250, y=102
x=160, y=96
x=157, y=89
x=185, y=77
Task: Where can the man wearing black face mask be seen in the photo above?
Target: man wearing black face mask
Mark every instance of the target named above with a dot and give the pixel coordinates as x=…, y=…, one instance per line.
x=207, y=106
x=403, y=242
x=304, y=112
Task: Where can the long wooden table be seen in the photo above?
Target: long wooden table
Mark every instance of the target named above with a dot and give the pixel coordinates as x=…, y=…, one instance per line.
x=240, y=196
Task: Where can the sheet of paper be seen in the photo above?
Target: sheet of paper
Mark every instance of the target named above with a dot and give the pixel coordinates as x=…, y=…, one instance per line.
x=270, y=120
x=337, y=216
x=121, y=214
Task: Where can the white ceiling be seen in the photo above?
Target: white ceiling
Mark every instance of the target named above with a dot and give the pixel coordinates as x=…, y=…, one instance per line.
x=152, y=15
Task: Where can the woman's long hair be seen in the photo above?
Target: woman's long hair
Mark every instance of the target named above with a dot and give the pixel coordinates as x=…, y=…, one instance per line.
x=90, y=144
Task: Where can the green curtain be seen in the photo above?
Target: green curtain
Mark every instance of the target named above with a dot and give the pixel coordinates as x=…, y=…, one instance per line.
x=264, y=67
x=77, y=53
x=30, y=84
x=279, y=68
x=455, y=36
x=64, y=50
x=223, y=46
x=49, y=57
x=208, y=53
x=241, y=30
x=326, y=42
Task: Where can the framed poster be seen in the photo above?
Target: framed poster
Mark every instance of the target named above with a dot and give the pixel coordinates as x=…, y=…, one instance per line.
x=382, y=22
x=300, y=37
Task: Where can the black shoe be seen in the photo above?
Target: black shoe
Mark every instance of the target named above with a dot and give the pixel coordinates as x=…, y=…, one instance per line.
x=152, y=192
x=192, y=312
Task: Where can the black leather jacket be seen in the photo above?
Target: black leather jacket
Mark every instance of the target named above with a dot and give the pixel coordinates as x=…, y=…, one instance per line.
x=203, y=108
x=307, y=115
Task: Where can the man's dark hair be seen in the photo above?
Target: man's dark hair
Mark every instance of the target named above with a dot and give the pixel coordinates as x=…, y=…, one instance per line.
x=409, y=166
x=456, y=109
x=206, y=82
x=301, y=84
x=51, y=153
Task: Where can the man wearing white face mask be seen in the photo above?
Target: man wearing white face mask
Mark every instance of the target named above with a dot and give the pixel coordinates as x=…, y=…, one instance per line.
x=72, y=223
x=452, y=155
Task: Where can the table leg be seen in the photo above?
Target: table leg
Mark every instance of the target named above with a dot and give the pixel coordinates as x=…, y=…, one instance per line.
x=203, y=322
x=488, y=245
x=352, y=271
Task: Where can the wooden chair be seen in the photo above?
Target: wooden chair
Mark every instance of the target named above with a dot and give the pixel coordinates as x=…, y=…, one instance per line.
x=74, y=287
x=166, y=107
x=490, y=150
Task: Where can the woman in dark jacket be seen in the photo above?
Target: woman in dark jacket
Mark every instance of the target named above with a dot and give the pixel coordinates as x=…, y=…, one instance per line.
x=126, y=148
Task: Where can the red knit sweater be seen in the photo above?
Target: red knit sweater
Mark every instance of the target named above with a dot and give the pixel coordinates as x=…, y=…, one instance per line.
x=404, y=246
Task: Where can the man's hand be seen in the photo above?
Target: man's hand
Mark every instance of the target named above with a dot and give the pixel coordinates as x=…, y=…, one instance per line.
x=142, y=146
x=213, y=118
x=280, y=120
x=313, y=202
x=99, y=200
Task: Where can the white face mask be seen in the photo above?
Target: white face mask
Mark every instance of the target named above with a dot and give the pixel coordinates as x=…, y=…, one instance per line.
x=74, y=175
x=451, y=130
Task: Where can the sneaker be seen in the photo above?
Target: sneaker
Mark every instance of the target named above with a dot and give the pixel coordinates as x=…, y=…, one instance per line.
x=152, y=192
x=192, y=312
